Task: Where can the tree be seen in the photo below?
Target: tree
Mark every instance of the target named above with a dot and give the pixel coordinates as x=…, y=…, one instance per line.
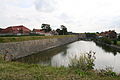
x=91, y=35
x=59, y=31
x=46, y=27
x=64, y=30
x=105, y=40
x=119, y=37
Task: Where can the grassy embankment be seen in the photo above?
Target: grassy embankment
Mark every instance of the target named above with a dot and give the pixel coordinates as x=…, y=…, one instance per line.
x=26, y=38
x=118, y=43
x=22, y=71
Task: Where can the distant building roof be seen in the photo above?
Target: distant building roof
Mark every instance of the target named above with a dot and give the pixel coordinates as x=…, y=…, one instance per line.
x=109, y=34
x=16, y=29
x=38, y=30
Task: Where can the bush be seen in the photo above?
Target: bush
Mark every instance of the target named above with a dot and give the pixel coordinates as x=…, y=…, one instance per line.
x=85, y=62
x=81, y=73
x=115, y=42
x=107, y=72
x=1, y=57
x=105, y=40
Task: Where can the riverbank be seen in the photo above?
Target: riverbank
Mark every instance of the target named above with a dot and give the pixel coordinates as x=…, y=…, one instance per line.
x=109, y=45
x=22, y=71
x=24, y=48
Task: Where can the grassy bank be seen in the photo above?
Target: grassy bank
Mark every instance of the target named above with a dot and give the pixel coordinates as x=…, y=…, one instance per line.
x=22, y=71
x=118, y=43
x=26, y=38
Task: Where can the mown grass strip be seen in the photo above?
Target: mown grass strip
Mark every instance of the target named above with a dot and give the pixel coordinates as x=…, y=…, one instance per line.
x=26, y=38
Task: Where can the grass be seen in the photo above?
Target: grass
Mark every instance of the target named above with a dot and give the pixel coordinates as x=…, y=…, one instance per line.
x=22, y=71
x=85, y=62
x=26, y=38
x=118, y=42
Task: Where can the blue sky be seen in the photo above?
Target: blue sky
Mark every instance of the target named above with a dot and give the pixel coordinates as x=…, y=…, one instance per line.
x=76, y=15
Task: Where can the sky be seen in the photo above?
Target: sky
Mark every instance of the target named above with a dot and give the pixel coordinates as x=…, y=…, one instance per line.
x=77, y=15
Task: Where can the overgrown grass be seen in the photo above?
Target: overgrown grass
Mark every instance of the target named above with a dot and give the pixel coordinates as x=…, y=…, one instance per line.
x=26, y=38
x=84, y=65
x=107, y=72
x=118, y=43
x=22, y=71
x=105, y=40
x=85, y=62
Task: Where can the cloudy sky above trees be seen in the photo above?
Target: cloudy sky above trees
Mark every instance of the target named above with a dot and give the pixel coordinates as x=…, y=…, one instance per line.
x=76, y=15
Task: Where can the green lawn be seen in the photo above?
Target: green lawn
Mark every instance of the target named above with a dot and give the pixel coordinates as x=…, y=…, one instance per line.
x=118, y=42
x=26, y=38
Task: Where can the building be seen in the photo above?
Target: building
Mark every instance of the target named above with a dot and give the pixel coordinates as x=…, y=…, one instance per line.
x=53, y=32
x=15, y=30
x=40, y=32
x=109, y=34
x=37, y=31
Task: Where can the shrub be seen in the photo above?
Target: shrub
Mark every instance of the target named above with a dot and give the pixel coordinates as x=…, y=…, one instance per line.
x=105, y=40
x=107, y=72
x=85, y=61
x=115, y=42
x=1, y=57
x=81, y=73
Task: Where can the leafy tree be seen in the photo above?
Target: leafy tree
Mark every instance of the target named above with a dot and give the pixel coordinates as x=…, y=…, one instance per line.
x=105, y=40
x=59, y=31
x=64, y=30
x=115, y=42
x=91, y=35
x=119, y=37
x=46, y=27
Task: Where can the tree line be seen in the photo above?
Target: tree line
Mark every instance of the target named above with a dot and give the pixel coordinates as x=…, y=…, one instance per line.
x=61, y=31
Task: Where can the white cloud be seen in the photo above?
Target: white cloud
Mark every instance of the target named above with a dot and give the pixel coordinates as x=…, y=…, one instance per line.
x=45, y=5
x=77, y=15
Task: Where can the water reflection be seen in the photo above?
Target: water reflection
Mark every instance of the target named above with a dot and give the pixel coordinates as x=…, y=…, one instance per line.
x=42, y=57
x=61, y=56
x=108, y=48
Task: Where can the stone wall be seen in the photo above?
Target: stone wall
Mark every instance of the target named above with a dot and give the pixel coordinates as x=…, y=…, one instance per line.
x=25, y=48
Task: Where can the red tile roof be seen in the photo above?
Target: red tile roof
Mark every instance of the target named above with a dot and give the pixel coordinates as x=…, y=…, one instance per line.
x=15, y=29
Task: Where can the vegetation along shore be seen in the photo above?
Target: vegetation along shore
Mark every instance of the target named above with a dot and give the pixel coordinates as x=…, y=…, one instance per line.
x=23, y=71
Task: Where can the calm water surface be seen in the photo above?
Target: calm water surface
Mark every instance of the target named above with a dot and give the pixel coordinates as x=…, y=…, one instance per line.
x=61, y=56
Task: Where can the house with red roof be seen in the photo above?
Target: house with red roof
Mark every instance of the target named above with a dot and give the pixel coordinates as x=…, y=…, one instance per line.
x=109, y=34
x=15, y=30
x=42, y=32
x=37, y=31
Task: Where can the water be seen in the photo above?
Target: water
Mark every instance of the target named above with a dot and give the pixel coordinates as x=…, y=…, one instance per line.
x=61, y=56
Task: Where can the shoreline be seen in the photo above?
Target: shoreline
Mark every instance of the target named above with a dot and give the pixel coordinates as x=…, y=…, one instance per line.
x=109, y=45
x=23, y=71
x=25, y=48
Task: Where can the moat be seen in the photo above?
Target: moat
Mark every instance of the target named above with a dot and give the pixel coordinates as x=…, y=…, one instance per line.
x=61, y=56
